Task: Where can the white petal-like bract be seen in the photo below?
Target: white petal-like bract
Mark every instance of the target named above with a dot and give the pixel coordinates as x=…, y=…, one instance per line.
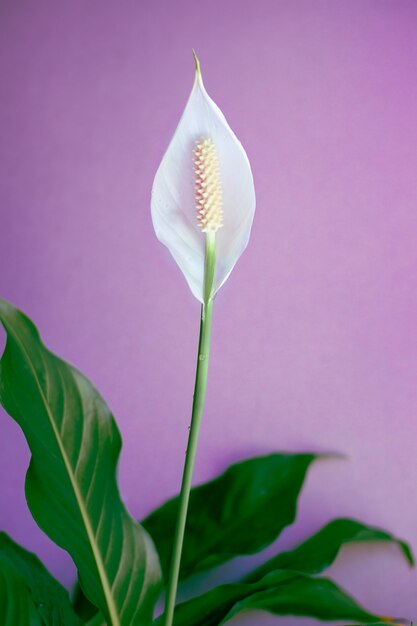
x=174, y=212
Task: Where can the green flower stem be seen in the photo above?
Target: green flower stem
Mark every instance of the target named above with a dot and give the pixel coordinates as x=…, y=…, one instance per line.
x=197, y=412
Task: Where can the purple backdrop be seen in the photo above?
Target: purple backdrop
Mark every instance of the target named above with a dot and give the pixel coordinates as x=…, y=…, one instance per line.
x=314, y=340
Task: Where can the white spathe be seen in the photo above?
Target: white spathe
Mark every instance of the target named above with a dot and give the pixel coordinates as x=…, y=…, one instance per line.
x=173, y=204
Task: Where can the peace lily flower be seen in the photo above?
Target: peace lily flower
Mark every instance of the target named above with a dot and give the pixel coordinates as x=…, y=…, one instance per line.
x=203, y=201
x=203, y=186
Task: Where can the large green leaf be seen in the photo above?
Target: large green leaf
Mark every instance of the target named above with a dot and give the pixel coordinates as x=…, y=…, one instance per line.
x=281, y=593
x=17, y=607
x=50, y=598
x=320, y=598
x=238, y=513
x=320, y=550
x=71, y=485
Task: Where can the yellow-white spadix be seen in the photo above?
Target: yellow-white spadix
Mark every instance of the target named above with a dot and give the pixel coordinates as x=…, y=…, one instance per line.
x=203, y=186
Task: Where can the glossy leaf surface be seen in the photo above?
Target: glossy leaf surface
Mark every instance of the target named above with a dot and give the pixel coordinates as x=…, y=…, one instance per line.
x=17, y=607
x=320, y=598
x=238, y=513
x=280, y=593
x=71, y=484
x=49, y=597
x=320, y=550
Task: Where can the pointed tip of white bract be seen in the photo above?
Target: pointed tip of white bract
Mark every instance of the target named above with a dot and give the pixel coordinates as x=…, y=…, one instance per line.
x=197, y=65
x=173, y=194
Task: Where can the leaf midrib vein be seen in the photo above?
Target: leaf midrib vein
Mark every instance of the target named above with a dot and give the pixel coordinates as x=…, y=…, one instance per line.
x=84, y=514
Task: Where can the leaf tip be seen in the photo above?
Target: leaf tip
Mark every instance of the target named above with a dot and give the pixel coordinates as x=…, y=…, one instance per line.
x=408, y=553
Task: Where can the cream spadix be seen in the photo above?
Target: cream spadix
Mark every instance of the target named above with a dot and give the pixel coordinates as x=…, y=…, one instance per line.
x=208, y=188
x=203, y=185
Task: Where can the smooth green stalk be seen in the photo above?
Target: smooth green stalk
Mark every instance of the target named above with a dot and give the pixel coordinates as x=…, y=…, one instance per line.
x=197, y=412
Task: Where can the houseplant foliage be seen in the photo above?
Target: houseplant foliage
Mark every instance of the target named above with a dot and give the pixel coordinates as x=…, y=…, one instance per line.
x=71, y=486
x=203, y=204
x=64, y=419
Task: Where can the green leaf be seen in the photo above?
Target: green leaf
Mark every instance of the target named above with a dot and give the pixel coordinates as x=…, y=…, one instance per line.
x=17, y=605
x=82, y=606
x=96, y=620
x=320, y=598
x=50, y=598
x=238, y=513
x=282, y=593
x=320, y=550
x=71, y=486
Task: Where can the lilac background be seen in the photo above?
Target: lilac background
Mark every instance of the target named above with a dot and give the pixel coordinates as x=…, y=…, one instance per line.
x=314, y=342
